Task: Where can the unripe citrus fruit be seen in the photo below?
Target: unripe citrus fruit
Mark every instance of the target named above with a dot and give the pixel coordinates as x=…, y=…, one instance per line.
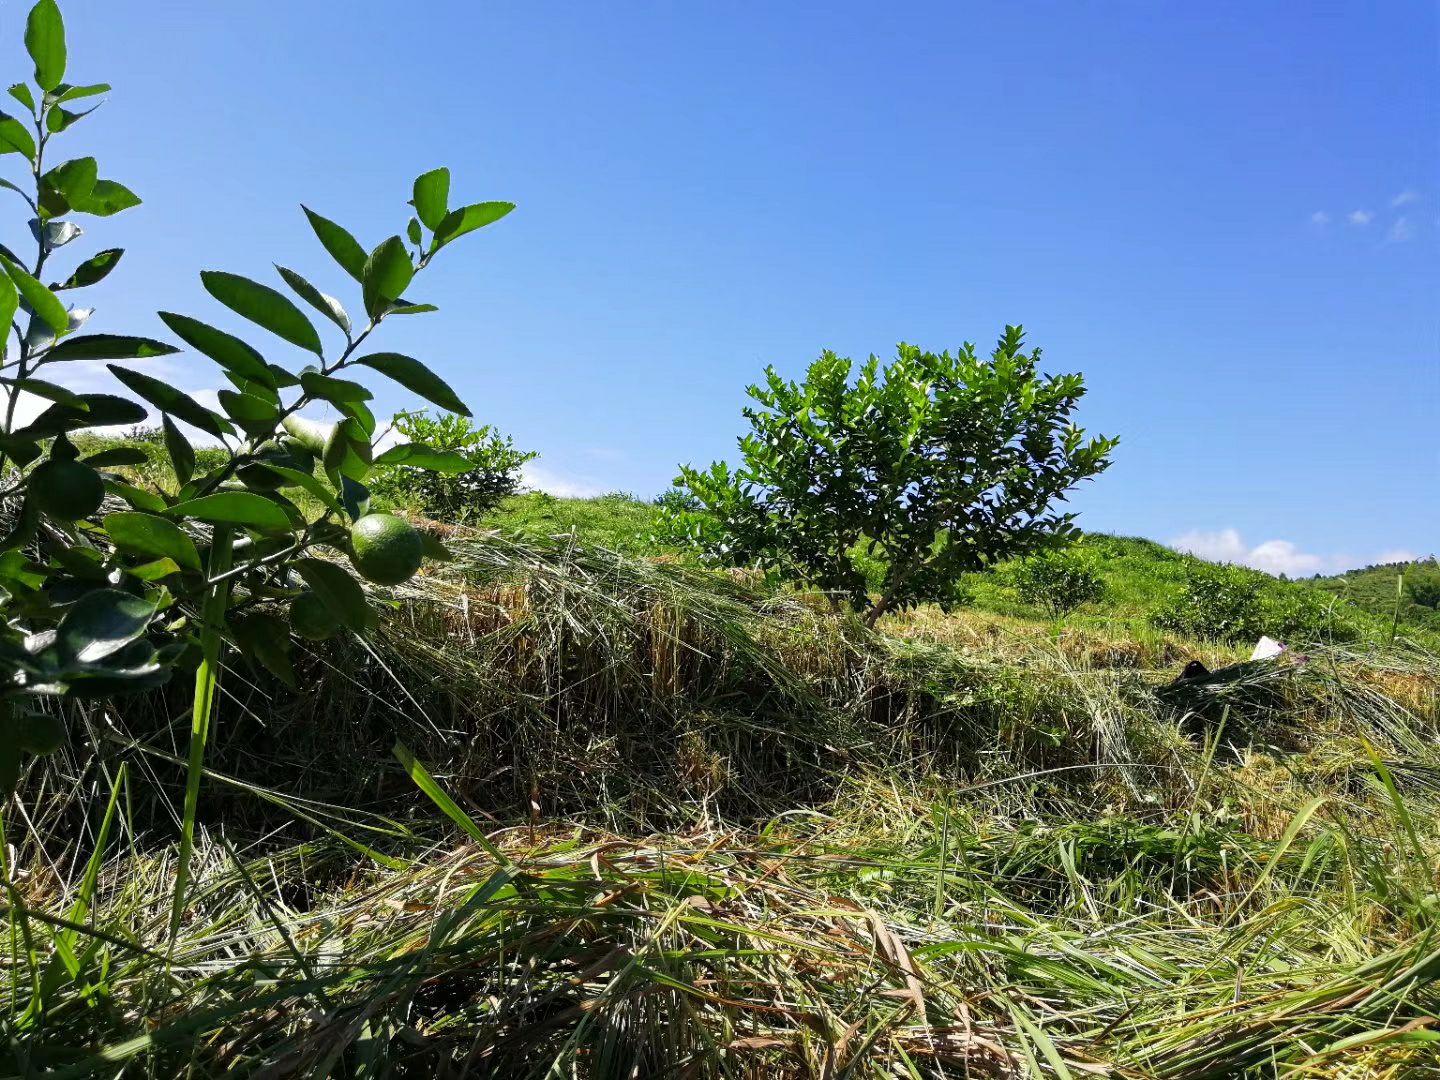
x=310, y=618
x=385, y=549
x=66, y=490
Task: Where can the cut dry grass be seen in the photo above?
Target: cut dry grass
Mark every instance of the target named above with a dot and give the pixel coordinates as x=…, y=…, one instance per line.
x=723, y=835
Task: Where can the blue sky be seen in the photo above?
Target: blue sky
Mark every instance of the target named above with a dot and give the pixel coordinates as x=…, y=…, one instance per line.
x=1224, y=214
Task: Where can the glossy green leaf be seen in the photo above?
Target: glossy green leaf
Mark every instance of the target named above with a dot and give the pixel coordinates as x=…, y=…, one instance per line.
x=416, y=456
x=417, y=378
x=182, y=454
x=339, y=592
x=45, y=42
x=15, y=139
x=100, y=410
x=92, y=270
x=329, y=388
x=108, y=347
x=100, y=624
x=58, y=119
x=467, y=219
x=405, y=307
x=21, y=93
x=75, y=93
x=107, y=197
x=48, y=391
x=75, y=179
x=9, y=304
x=139, y=498
x=360, y=413
x=249, y=411
x=311, y=483
x=347, y=451
x=412, y=231
x=343, y=247
x=40, y=299
x=432, y=194
x=388, y=271
x=263, y=306
x=434, y=548
x=326, y=305
x=154, y=570
x=148, y=534
x=243, y=508
x=168, y=399
x=228, y=351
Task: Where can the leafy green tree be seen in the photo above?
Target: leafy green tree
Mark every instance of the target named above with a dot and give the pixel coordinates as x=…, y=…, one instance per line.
x=492, y=475
x=108, y=587
x=941, y=465
x=1058, y=581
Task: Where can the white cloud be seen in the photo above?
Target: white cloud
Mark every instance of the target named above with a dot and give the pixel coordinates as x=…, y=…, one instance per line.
x=1320, y=218
x=1405, y=198
x=1361, y=217
x=539, y=478
x=1275, y=556
x=1401, y=231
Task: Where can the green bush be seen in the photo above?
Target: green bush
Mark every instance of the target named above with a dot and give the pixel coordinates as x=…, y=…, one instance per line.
x=1058, y=581
x=493, y=475
x=1231, y=603
x=936, y=465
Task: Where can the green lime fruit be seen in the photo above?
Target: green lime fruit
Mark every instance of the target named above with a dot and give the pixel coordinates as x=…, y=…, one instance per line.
x=310, y=618
x=65, y=490
x=39, y=733
x=385, y=549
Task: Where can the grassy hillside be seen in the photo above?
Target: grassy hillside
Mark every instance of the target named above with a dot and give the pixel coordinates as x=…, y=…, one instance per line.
x=1377, y=589
x=576, y=812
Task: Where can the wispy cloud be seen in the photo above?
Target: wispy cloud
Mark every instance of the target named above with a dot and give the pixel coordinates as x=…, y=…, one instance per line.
x=1320, y=218
x=1405, y=198
x=1402, y=229
x=1361, y=217
x=1276, y=556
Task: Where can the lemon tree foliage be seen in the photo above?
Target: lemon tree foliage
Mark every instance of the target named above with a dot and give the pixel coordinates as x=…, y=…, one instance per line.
x=109, y=587
x=938, y=465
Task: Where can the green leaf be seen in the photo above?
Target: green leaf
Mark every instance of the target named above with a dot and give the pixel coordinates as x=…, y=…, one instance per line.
x=254, y=414
x=40, y=299
x=75, y=93
x=45, y=42
x=423, y=457
x=311, y=483
x=108, y=347
x=467, y=219
x=328, y=388
x=417, y=378
x=326, y=305
x=228, y=351
x=310, y=434
x=75, y=179
x=106, y=198
x=182, y=454
x=21, y=93
x=100, y=410
x=168, y=399
x=405, y=307
x=432, y=192
x=154, y=570
x=100, y=624
x=48, y=391
x=157, y=537
x=92, y=270
x=15, y=139
x=139, y=498
x=343, y=247
x=116, y=455
x=265, y=640
x=339, y=592
x=58, y=119
x=263, y=306
x=412, y=231
x=243, y=508
x=388, y=271
x=9, y=304
x=355, y=497
x=347, y=451
x=434, y=548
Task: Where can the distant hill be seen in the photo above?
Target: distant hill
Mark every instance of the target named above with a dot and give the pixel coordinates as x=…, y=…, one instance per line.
x=1373, y=589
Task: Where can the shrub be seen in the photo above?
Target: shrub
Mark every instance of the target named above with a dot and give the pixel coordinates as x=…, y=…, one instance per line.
x=939, y=465
x=1058, y=581
x=1217, y=602
x=493, y=471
